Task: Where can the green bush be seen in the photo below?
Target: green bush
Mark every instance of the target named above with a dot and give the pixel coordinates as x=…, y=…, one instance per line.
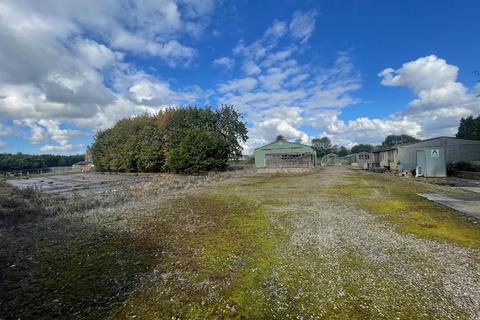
x=198, y=152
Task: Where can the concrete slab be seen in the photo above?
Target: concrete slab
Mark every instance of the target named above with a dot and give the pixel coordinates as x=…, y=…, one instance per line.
x=466, y=203
x=472, y=189
x=77, y=183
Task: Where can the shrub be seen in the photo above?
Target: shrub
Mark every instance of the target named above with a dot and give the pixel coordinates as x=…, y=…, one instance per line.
x=198, y=152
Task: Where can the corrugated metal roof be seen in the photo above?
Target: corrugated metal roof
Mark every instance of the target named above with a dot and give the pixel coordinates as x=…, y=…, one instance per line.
x=288, y=142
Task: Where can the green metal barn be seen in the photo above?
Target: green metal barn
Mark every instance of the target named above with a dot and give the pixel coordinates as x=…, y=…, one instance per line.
x=285, y=154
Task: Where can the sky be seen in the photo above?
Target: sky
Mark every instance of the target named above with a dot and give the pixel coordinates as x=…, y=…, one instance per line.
x=355, y=71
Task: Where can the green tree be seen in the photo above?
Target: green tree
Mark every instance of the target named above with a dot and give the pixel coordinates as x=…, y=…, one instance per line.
x=231, y=127
x=362, y=148
x=145, y=143
x=342, y=152
x=323, y=146
x=132, y=145
x=393, y=140
x=198, y=152
x=469, y=128
x=279, y=137
x=226, y=121
x=20, y=161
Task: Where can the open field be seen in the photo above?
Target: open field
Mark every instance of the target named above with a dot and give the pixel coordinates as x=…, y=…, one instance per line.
x=333, y=244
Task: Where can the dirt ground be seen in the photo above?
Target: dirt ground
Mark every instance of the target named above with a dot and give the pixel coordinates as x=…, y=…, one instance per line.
x=332, y=244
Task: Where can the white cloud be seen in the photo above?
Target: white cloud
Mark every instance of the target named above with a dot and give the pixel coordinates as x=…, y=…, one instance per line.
x=281, y=95
x=302, y=25
x=44, y=130
x=432, y=80
x=365, y=130
x=57, y=57
x=238, y=85
x=2, y=144
x=5, y=131
x=277, y=30
x=224, y=62
x=95, y=54
x=149, y=91
x=440, y=100
x=68, y=148
x=251, y=68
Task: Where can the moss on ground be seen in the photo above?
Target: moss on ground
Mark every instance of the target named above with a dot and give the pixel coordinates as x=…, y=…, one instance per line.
x=218, y=268
x=397, y=200
x=226, y=252
x=73, y=278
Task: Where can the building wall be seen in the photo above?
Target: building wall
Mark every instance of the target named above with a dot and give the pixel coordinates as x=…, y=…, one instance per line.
x=281, y=147
x=386, y=158
x=362, y=159
x=455, y=150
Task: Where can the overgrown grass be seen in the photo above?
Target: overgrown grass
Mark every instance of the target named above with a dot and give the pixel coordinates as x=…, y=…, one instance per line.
x=397, y=200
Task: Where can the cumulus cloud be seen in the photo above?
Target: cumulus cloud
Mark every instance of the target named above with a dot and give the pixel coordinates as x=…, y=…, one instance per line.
x=2, y=144
x=279, y=95
x=44, y=130
x=440, y=101
x=432, y=80
x=57, y=58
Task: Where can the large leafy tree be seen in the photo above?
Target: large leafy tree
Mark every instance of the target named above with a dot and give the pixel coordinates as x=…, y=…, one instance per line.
x=469, y=128
x=226, y=121
x=393, y=140
x=147, y=143
x=322, y=146
x=342, y=151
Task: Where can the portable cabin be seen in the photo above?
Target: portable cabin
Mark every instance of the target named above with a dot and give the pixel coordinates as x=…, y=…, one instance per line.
x=432, y=156
x=360, y=159
x=285, y=154
x=385, y=158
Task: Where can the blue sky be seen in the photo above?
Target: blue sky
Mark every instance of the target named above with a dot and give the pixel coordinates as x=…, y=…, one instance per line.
x=355, y=71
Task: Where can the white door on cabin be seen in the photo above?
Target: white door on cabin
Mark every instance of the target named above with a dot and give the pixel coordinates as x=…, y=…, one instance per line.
x=421, y=162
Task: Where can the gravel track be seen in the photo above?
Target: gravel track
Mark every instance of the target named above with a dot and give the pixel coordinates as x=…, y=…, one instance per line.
x=441, y=276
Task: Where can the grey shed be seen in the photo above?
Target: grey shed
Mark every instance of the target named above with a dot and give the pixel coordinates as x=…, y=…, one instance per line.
x=433, y=155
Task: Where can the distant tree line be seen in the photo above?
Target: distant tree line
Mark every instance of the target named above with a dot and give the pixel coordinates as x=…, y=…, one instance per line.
x=187, y=140
x=20, y=161
x=324, y=145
